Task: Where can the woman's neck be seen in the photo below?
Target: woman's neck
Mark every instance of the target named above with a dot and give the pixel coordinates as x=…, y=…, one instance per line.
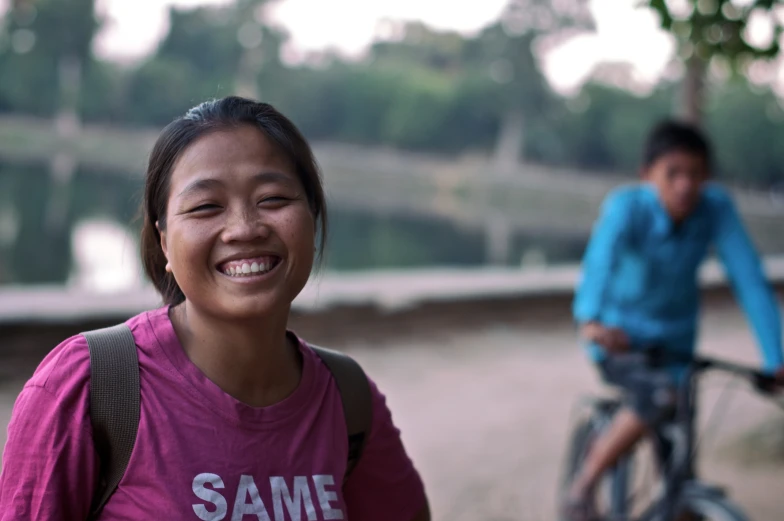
x=253, y=361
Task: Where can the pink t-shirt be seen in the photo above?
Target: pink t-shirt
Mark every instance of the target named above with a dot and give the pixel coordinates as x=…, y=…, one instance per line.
x=200, y=454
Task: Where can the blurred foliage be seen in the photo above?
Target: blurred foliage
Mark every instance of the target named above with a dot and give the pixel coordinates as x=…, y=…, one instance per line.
x=718, y=28
x=419, y=89
x=726, y=34
x=35, y=38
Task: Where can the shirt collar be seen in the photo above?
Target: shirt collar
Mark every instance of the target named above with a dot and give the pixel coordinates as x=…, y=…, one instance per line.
x=662, y=223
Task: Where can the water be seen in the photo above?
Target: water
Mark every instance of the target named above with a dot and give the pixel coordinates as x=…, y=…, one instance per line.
x=85, y=233
x=40, y=220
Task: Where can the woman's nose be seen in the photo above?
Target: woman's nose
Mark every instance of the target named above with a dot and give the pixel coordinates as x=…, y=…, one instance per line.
x=245, y=225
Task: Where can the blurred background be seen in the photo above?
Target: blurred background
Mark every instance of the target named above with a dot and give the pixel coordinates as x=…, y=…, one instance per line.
x=465, y=149
x=484, y=135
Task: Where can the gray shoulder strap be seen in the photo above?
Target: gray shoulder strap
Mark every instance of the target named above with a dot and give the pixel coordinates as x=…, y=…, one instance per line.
x=354, y=390
x=114, y=405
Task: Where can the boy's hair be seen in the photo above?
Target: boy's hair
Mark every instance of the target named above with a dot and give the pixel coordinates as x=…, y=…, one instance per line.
x=670, y=136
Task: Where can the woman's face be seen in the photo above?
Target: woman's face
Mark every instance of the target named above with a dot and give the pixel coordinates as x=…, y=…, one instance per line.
x=239, y=234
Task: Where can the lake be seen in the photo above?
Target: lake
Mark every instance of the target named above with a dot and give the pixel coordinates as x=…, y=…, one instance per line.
x=83, y=231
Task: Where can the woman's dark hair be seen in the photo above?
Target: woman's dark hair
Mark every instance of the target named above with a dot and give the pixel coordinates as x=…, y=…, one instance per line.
x=212, y=116
x=670, y=136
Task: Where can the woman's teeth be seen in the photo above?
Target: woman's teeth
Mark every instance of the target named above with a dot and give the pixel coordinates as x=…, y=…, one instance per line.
x=248, y=268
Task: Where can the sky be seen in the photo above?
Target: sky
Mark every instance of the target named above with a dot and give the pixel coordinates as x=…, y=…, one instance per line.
x=624, y=34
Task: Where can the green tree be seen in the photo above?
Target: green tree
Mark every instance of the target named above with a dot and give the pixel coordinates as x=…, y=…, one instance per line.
x=208, y=52
x=47, y=44
x=747, y=131
x=506, y=52
x=707, y=30
x=606, y=130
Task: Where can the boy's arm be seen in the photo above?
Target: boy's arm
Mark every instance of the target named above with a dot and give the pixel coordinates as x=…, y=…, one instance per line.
x=744, y=270
x=600, y=259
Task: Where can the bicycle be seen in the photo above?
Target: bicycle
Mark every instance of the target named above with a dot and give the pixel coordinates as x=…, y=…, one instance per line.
x=682, y=495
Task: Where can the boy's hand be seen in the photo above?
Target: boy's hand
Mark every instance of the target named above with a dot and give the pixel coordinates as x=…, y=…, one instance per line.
x=614, y=340
x=780, y=377
x=772, y=387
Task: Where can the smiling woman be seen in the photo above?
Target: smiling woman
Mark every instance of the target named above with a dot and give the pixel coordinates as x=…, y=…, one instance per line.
x=232, y=404
x=221, y=195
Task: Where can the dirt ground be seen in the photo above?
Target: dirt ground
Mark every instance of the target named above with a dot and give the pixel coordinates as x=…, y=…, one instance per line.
x=485, y=415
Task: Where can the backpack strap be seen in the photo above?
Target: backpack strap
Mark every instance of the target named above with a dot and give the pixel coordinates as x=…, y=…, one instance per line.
x=357, y=401
x=114, y=405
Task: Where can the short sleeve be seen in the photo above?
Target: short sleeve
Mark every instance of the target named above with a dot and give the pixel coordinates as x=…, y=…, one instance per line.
x=49, y=463
x=384, y=485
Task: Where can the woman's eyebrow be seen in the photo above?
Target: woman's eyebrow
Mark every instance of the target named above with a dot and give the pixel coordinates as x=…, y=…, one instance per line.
x=200, y=185
x=203, y=184
x=272, y=177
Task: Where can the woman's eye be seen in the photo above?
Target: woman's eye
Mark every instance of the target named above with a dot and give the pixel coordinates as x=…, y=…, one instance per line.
x=273, y=199
x=204, y=207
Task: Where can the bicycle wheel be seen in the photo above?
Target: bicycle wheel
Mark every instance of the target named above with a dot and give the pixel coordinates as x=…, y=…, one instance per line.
x=580, y=441
x=698, y=508
x=612, y=491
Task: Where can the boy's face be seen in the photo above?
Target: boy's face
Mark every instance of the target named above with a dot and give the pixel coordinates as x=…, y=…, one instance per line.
x=678, y=177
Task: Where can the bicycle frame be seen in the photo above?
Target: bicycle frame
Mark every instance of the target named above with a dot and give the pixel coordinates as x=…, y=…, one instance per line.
x=680, y=433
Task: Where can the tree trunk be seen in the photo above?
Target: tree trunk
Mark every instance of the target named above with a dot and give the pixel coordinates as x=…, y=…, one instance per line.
x=70, y=86
x=693, y=91
x=64, y=162
x=498, y=241
x=509, y=145
x=247, y=75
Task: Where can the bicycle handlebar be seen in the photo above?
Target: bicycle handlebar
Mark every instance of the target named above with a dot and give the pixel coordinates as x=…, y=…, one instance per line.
x=762, y=382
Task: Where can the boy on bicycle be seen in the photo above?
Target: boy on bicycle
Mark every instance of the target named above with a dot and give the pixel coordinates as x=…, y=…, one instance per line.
x=639, y=288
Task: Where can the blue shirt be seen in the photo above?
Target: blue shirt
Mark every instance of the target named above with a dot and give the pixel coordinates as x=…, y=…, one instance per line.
x=640, y=271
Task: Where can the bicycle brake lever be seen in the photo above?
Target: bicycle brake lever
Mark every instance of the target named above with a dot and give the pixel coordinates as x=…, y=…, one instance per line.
x=766, y=384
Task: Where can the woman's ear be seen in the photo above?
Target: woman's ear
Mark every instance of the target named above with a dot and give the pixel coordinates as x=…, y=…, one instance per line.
x=165, y=250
